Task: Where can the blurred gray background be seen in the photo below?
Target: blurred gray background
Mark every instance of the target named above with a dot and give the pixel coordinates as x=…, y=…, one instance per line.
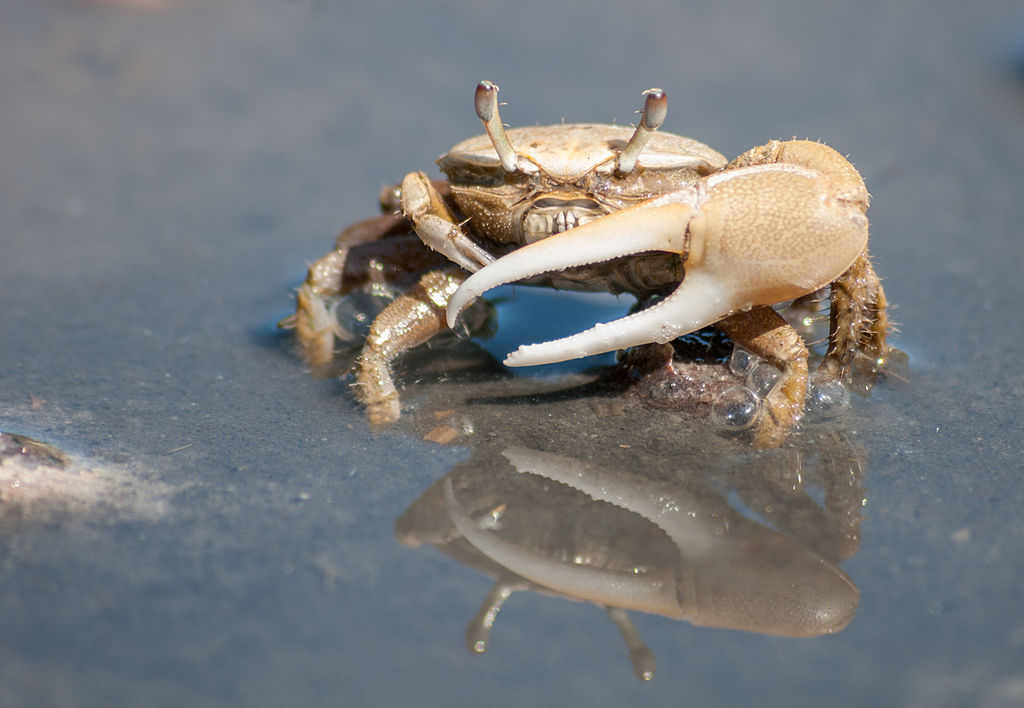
x=168, y=174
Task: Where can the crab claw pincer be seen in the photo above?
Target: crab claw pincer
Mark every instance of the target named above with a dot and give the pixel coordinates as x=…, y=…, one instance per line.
x=749, y=236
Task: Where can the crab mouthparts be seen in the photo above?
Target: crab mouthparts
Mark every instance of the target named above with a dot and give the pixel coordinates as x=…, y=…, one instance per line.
x=553, y=216
x=661, y=225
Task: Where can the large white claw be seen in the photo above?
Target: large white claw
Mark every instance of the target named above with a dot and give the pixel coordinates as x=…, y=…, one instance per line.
x=660, y=225
x=752, y=236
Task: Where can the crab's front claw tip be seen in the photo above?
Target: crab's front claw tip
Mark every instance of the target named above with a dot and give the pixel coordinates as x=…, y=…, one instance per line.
x=512, y=358
x=459, y=301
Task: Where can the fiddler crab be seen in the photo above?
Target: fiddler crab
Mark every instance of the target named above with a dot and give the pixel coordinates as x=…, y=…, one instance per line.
x=698, y=240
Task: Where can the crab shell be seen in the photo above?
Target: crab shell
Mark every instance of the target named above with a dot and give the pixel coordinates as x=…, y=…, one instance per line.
x=566, y=176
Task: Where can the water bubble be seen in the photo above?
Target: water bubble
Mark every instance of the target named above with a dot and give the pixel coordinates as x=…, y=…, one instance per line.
x=762, y=378
x=355, y=313
x=827, y=398
x=742, y=361
x=735, y=408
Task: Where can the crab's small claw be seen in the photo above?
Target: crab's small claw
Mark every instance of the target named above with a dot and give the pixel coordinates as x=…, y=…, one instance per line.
x=751, y=236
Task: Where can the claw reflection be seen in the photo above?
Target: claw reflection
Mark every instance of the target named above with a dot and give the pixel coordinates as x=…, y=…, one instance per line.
x=663, y=543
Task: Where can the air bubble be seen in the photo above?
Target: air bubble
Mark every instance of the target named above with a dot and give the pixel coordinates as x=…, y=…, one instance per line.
x=355, y=313
x=735, y=408
x=828, y=398
x=762, y=378
x=742, y=361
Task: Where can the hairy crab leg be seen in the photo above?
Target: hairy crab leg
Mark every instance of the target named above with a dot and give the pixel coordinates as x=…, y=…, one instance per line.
x=858, y=320
x=314, y=322
x=409, y=320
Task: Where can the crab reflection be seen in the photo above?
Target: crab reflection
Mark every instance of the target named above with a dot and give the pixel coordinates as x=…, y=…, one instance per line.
x=669, y=543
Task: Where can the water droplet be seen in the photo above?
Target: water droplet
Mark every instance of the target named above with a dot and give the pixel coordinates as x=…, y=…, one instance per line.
x=762, y=378
x=827, y=399
x=736, y=408
x=355, y=313
x=741, y=361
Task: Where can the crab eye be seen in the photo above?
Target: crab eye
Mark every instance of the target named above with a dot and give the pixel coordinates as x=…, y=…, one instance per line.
x=652, y=116
x=485, y=101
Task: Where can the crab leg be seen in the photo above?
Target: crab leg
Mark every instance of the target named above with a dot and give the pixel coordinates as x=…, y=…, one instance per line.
x=411, y=319
x=859, y=322
x=314, y=322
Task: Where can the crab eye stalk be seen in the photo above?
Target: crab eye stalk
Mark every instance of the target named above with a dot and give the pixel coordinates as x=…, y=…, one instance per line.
x=486, y=103
x=655, y=108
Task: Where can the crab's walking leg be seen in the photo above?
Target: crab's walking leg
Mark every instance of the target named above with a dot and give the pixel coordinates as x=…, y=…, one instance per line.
x=858, y=320
x=423, y=205
x=764, y=332
x=411, y=319
x=314, y=322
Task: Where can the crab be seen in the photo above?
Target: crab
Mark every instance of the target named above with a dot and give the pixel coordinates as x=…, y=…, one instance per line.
x=698, y=240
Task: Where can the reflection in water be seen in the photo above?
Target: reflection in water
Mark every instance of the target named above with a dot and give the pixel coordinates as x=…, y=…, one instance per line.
x=688, y=544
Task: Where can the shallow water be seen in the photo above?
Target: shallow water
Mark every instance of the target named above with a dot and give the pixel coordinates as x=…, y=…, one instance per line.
x=220, y=529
